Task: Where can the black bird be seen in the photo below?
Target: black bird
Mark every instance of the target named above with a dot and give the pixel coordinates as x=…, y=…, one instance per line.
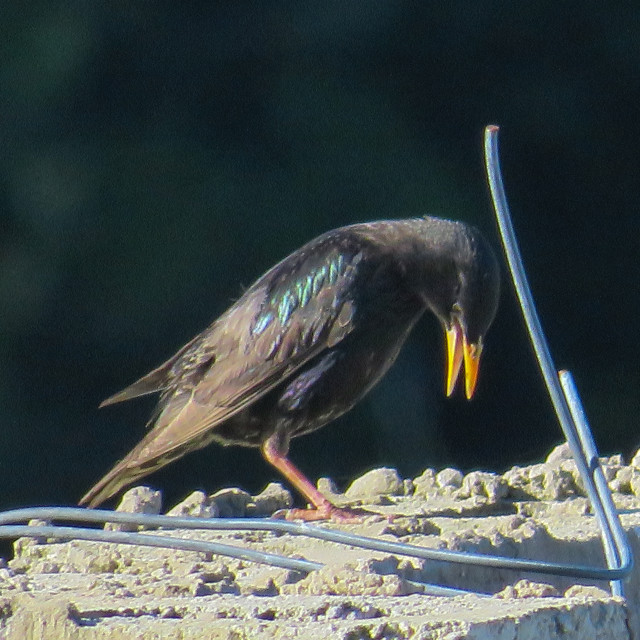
x=309, y=339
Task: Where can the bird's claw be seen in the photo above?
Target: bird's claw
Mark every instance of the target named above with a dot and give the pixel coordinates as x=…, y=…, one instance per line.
x=328, y=512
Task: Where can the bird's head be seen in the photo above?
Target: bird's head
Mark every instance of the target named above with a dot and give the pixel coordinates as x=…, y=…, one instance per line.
x=472, y=307
x=466, y=300
x=452, y=268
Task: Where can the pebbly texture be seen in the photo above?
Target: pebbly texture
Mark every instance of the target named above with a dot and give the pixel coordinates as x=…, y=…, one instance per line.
x=86, y=590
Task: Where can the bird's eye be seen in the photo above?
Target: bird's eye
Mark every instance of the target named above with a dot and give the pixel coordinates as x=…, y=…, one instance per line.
x=456, y=291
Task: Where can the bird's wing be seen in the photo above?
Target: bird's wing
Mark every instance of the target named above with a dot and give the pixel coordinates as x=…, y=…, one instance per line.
x=299, y=308
x=157, y=380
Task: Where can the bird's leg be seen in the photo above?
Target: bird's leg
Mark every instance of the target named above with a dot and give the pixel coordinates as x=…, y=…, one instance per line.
x=275, y=449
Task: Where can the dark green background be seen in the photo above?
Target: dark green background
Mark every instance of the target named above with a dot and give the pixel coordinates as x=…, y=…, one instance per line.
x=157, y=156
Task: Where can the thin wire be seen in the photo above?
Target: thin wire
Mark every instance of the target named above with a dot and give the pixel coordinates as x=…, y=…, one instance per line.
x=617, y=555
x=304, y=529
x=621, y=549
x=169, y=542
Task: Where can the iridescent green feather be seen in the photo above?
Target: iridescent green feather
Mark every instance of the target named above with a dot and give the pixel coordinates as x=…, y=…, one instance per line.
x=301, y=293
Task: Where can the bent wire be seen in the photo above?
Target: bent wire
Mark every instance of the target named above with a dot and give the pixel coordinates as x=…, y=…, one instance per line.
x=235, y=524
x=564, y=398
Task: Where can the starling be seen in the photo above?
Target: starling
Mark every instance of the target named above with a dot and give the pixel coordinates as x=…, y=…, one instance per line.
x=309, y=339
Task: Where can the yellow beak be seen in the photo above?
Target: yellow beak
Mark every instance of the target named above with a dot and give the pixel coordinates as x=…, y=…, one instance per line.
x=459, y=350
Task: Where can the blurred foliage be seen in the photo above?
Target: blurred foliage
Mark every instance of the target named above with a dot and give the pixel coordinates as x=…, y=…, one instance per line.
x=158, y=156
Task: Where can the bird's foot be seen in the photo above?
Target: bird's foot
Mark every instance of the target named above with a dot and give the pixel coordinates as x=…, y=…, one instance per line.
x=324, y=512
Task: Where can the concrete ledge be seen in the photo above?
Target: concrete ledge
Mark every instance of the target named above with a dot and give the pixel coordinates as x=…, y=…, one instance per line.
x=316, y=618
x=84, y=590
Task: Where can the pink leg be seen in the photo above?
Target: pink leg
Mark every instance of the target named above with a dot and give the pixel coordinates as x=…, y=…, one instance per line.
x=323, y=509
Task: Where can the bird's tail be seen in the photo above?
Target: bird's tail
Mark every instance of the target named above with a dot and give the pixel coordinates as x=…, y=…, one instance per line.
x=149, y=455
x=121, y=476
x=161, y=446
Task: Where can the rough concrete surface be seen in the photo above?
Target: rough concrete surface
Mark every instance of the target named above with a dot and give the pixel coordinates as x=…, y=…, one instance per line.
x=88, y=591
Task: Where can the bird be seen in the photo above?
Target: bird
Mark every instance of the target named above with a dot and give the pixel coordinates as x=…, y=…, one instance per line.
x=308, y=340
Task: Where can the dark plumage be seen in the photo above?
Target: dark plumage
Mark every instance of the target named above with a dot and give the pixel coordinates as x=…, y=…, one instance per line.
x=309, y=339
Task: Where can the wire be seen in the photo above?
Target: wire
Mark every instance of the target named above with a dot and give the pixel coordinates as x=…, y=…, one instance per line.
x=617, y=551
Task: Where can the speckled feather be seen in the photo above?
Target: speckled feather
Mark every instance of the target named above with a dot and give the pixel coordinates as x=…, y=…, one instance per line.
x=333, y=314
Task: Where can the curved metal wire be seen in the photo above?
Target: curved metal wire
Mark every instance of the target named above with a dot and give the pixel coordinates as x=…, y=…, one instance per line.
x=296, y=528
x=566, y=401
